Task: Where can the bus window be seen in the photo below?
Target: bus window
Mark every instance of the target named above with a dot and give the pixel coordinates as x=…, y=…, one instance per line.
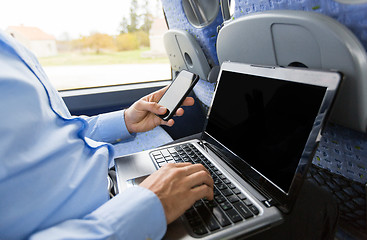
x=92, y=43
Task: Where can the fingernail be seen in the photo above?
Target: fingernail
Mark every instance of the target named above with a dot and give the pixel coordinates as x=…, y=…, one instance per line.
x=162, y=110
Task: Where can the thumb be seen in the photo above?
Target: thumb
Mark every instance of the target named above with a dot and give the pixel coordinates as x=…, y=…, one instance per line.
x=152, y=107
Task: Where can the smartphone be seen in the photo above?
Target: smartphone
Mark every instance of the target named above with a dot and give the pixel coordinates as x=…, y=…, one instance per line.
x=177, y=92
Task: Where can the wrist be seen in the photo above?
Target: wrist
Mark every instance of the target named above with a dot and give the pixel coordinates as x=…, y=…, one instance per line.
x=127, y=121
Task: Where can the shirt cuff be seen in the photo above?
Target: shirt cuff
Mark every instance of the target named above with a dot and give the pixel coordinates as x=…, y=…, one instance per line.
x=136, y=213
x=113, y=127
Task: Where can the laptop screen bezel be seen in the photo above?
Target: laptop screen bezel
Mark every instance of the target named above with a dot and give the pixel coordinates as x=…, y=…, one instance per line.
x=329, y=80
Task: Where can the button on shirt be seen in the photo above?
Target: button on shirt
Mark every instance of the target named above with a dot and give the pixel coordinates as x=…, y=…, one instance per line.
x=53, y=167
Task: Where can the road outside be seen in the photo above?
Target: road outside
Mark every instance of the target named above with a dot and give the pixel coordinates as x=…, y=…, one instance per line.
x=79, y=76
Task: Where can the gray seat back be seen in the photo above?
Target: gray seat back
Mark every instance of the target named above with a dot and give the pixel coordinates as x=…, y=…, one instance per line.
x=300, y=38
x=185, y=53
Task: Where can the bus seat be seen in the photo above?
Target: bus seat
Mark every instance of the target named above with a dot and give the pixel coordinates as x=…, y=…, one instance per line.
x=200, y=19
x=351, y=13
x=185, y=53
x=308, y=39
x=191, y=39
x=340, y=166
x=294, y=38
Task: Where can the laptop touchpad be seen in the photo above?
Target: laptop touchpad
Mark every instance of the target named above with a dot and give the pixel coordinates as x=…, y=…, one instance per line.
x=134, y=166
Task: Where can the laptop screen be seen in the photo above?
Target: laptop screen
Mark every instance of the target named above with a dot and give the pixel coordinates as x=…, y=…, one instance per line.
x=265, y=122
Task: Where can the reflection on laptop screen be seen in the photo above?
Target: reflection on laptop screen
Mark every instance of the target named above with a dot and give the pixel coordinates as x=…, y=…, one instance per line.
x=264, y=121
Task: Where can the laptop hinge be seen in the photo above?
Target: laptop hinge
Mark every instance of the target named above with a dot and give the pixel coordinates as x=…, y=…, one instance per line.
x=269, y=203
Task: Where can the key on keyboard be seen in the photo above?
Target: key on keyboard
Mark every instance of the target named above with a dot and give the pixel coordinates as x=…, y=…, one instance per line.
x=229, y=206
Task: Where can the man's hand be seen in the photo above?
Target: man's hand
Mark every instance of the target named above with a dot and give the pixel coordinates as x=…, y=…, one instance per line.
x=140, y=117
x=179, y=186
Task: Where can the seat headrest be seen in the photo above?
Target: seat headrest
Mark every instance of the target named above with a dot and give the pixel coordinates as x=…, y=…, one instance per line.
x=286, y=37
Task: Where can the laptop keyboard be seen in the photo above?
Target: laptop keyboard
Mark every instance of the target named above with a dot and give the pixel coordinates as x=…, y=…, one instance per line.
x=229, y=206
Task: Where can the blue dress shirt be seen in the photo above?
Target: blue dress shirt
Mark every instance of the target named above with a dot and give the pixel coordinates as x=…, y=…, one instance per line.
x=53, y=167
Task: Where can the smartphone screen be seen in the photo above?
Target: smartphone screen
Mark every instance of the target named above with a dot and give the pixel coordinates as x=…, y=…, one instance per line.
x=177, y=91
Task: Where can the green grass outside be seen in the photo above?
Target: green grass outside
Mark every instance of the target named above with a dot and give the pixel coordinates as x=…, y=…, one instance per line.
x=125, y=57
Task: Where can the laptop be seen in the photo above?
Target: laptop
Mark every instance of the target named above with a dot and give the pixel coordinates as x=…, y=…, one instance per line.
x=261, y=131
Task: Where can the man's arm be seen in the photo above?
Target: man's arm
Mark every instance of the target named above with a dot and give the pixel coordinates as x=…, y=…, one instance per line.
x=140, y=117
x=136, y=213
x=54, y=182
x=108, y=127
x=140, y=212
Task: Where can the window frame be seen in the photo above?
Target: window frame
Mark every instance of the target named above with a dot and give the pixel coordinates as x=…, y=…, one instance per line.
x=106, y=98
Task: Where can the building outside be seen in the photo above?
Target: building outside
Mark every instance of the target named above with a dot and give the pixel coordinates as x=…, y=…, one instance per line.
x=36, y=40
x=156, y=33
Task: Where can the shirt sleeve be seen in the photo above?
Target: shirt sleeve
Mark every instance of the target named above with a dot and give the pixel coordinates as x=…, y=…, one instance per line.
x=108, y=127
x=137, y=213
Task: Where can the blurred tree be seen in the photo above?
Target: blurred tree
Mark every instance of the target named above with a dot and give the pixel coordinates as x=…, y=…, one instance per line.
x=98, y=42
x=123, y=25
x=138, y=25
x=77, y=44
x=142, y=38
x=127, y=41
x=147, y=17
x=134, y=17
x=140, y=17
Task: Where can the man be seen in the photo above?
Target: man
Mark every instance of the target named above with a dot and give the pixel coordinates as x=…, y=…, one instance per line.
x=53, y=167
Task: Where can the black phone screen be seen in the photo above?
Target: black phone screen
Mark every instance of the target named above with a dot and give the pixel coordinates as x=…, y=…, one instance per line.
x=178, y=89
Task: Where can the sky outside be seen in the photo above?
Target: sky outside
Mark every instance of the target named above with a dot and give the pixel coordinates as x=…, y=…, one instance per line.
x=66, y=18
